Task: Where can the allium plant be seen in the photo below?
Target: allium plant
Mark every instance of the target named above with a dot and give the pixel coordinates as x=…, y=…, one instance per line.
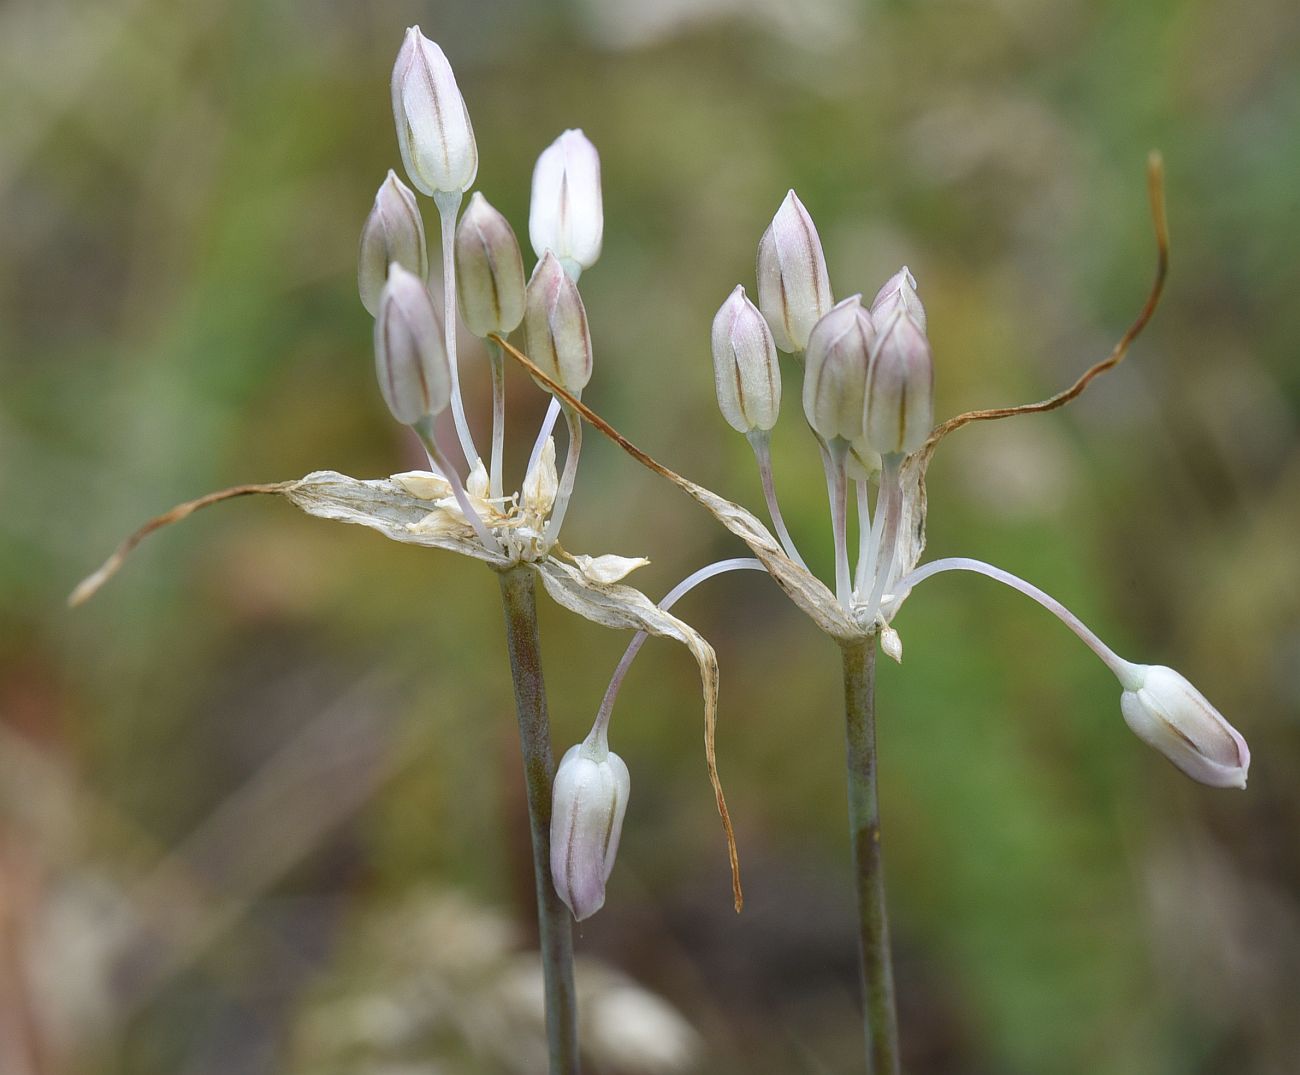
x=867, y=379
x=458, y=503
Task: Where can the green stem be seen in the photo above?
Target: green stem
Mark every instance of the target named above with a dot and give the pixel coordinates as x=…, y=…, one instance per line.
x=880, y=1021
x=518, y=597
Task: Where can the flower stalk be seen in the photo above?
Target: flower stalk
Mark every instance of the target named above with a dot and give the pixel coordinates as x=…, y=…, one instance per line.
x=875, y=960
x=555, y=934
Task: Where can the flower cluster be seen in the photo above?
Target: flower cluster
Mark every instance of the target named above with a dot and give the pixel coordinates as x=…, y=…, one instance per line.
x=415, y=357
x=868, y=400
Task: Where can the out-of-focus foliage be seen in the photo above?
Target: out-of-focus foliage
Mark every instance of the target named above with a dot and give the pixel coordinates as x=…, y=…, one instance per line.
x=225, y=774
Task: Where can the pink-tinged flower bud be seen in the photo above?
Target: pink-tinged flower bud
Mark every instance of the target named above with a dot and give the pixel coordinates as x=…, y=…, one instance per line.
x=489, y=270
x=1168, y=713
x=556, y=322
x=394, y=231
x=410, y=361
x=434, y=133
x=898, y=294
x=900, y=387
x=565, y=214
x=794, y=290
x=745, y=369
x=835, y=370
x=587, y=806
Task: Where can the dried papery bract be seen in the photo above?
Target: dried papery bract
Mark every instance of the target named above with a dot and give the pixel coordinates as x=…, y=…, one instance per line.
x=745, y=370
x=794, y=289
x=410, y=362
x=1166, y=712
x=393, y=232
x=556, y=323
x=588, y=803
x=565, y=214
x=434, y=133
x=490, y=270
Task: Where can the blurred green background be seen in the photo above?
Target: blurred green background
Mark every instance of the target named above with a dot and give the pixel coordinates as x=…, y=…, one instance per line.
x=260, y=799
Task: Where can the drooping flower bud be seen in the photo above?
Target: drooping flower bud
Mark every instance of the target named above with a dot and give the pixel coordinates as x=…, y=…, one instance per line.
x=900, y=387
x=745, y=369
x=410, y=361
x=794, y=290
x=835, y=370
x=565, y=214
x=489, y=270
x=1167, y=712
x=587, y=806
x=394, y=231
x=898, y=294
x=434, y=133
x=556, y=322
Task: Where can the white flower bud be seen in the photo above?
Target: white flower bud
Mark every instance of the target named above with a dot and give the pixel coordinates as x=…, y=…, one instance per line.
x=745, y=369
x=899, y=293
x=489, y=271
x=394, y=231
x=587, y=806
x=410, y=361
x=835, y=370
x=556, y=322
x=794, y=290
x=899, y=409
x=434, y=133
x=565, y=214
x=1168, y=713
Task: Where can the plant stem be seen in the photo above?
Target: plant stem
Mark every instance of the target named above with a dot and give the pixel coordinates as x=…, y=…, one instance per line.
x=496, y=361
x=760, y=441
x=880, y=1021
x=448, y=206
x=519, y=600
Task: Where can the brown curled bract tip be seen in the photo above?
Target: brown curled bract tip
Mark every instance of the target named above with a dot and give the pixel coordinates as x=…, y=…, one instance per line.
x=90, y=585
x=1156, y=191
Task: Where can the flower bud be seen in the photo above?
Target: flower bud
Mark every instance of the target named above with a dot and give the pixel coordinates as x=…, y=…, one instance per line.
x=565, y=213
x=898, y=294
x=794, y=290
x=1168, y=713
x=588, y=801
x=835, y=370
x=745, y=369
x=556, y=322
x=489, y=271
x=434, y=133
x=394, y=231
x=899, y=408
x=410, y=361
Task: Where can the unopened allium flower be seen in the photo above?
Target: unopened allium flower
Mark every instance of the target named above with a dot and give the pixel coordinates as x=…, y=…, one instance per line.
x=410, y=362
x=835, y=370
x=898, y=294
x=556, y=322
x=1168, y=713
x=393, y=232
x=588, y=803
x=434, y=134
x=565, y=215
x=794, y=289
x=899, y=410
x=745, y=369
x=490, y=270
